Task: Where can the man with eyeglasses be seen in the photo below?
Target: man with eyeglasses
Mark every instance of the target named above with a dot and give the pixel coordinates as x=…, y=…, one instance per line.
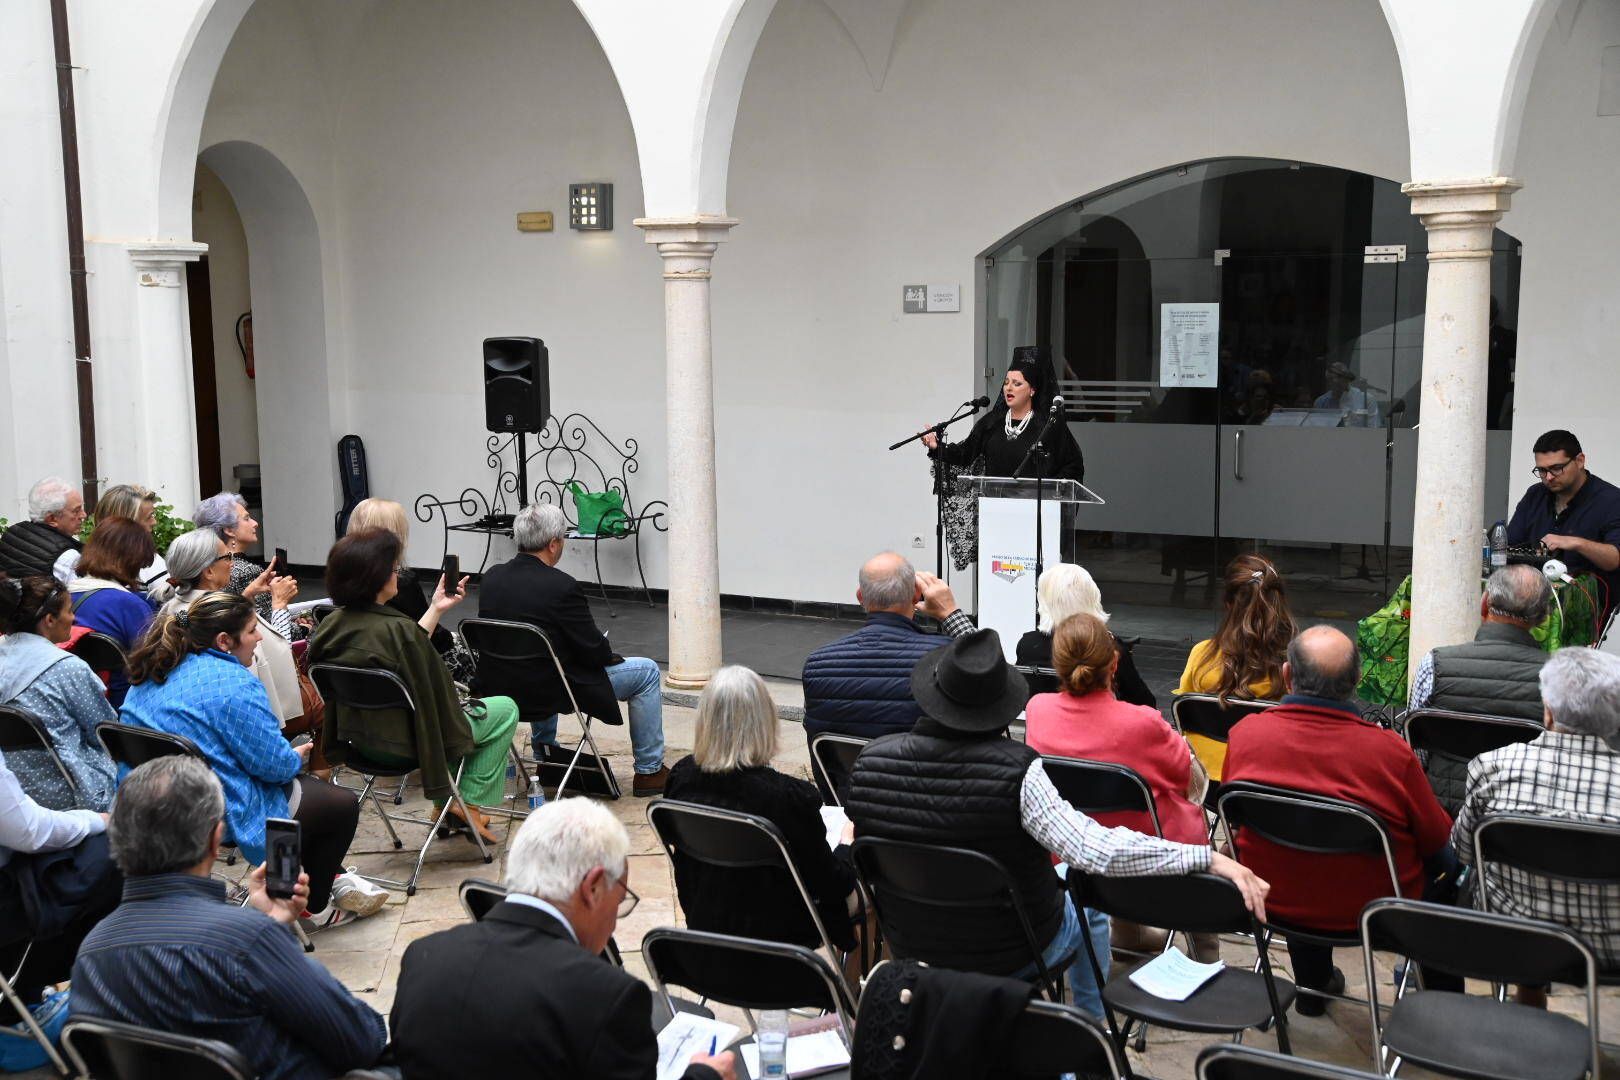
x=1573, y=512
x=525, y=991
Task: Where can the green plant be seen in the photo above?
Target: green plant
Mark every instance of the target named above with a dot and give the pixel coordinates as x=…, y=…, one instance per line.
x=164, y=530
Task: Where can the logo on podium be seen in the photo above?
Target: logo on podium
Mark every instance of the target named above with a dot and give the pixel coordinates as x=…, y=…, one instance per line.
x=1010, y=568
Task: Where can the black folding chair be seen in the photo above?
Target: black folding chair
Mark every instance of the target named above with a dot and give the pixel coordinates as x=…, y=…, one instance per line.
x=1446, y=738
x=31, y=1028
x=23, y=732
x=1204, y=715
x=1472, y=1035
x=1573, y=852
x=1302, y=821
x=745, y=973
x=732, y=840
x=1040, y=680
x=101, y=653
x=376, y=690
x=832, y=757
x=1051, y=1039
x=1232, y=1001
x=525, y=643
x=1230, y=1061
x=134, y=746
x=107, y=1050
x=915, y=885
x=1102, y=787
x=479, y=897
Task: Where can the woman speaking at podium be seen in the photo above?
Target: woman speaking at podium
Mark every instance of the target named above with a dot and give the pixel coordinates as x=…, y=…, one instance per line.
x=999, y=442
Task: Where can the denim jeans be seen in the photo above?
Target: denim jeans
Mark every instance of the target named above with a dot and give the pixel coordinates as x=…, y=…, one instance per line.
x=1084, y=993
x=637, y=681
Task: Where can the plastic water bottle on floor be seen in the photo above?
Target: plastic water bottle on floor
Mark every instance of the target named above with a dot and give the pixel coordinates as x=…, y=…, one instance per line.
x=772, y=1040
x=537, y=797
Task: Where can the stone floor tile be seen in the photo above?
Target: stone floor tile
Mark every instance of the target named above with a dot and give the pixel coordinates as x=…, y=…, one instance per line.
x=376, y=932
x=435, y=904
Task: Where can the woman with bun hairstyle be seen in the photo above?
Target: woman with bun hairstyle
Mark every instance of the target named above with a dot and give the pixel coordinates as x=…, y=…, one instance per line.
x=60, y=690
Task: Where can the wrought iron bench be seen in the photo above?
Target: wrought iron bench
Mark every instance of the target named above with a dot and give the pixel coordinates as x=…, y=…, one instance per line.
x=567, y=451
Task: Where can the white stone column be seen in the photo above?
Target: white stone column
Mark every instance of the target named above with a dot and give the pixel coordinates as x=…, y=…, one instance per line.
x=1449, y=512
x=166, y=427
x=687, y=246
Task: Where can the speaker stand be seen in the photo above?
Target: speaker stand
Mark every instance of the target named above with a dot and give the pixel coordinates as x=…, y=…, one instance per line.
x=523, y=469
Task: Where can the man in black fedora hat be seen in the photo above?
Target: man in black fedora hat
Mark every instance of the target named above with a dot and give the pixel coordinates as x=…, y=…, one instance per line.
x=954, y=780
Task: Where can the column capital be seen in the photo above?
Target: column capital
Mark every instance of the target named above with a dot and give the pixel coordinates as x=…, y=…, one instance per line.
x=160, y=263
x=1461, y=215
x=700, y=229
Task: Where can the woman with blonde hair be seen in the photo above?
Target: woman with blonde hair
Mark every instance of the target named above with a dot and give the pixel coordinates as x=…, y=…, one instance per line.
x=1065, y=590
x=730, y=768
x=412, y=598
x=1245, y=657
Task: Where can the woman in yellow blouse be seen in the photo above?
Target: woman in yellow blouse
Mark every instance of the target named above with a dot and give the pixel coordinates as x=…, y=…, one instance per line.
x=1245, y=657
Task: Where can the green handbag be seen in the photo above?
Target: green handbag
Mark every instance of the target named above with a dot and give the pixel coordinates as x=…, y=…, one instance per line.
x=601, y=513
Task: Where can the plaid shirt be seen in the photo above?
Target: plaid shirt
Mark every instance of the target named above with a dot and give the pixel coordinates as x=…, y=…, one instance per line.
x=1559, y=775
x=1080, y=841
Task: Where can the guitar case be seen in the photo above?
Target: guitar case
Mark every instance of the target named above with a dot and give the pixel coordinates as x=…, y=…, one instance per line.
x=353, y=479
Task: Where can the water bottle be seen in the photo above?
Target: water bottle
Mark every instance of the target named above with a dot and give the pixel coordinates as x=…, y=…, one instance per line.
x=537, y=798
x=1498, y=546
x=771, y=1039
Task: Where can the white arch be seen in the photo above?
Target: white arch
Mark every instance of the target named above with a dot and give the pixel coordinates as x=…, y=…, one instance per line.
x=180, y=117
x=294, y=382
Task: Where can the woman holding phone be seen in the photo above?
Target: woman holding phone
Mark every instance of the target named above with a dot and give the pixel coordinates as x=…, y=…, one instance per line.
x=411, y=599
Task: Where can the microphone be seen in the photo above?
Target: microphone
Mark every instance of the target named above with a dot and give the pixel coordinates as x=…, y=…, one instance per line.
x=1555, y=570
x=980, y=402
x=1057, y=405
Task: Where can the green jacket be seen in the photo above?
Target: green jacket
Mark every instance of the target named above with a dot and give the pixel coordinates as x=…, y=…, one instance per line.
x=373, y=636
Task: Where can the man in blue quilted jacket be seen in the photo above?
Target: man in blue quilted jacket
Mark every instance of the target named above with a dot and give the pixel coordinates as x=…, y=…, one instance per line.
x=861, y=684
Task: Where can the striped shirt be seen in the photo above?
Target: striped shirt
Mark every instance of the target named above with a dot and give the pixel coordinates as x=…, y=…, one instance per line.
x=176, y=957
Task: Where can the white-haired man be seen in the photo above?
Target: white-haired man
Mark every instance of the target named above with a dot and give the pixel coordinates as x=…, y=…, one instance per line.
x=531, y=589
x=48, y=542
x=525, y=991
x=1570, y=771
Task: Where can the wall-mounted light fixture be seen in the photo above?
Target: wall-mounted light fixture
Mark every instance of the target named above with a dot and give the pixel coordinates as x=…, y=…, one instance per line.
x=590, y=205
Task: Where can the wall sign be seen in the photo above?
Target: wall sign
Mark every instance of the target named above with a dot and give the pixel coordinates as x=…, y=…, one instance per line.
x=927, y=299
x=1189, y=344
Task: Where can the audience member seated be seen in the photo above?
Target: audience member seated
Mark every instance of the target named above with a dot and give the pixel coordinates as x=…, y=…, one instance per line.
x=1065, y=590
x=177, y=957
x=134, y=504
x=411, y=598
x=1496, y=673
x=531, y=589
x=107, y=594
x=524, y=991
x=1245, y=657
x=730, y=768
x=61, y=858
x=47, y=544
x=860, y=684
x=365, y=632
x=190, y=678
x=1571, y=772
x=200, y=564
x=59, y=689
x=226, y=515
x=1316, y=741
x=915, y=787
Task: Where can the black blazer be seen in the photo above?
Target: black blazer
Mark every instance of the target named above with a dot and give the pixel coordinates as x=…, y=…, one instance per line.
x=514, y=995
x=527, y=590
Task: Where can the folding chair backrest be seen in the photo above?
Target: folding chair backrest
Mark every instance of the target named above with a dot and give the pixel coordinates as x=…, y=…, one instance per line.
x=367, y=689
x=1465, y=735
x=1478, y=944
x=112, y=1051
x=744, y=972
x=1040, y=680
x=135, y=746
x=1051, y=1039
x=1203, y=714
x=833, y=756
x=1579, y=852
x=502, y=639
x=1102, y=787
x=479, y=897
x=21, y=730
x=101, y=653
x=1195, y=903
x=1230, y=1061
x=1303, y=821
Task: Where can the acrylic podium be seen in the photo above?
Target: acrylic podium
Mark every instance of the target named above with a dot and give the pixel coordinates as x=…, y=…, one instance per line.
x=1008, y=539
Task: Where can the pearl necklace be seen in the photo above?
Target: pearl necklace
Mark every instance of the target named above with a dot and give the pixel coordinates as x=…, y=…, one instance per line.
x=1015, y=428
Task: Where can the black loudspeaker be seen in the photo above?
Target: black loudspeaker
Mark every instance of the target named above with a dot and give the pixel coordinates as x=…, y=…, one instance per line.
x=517, y=384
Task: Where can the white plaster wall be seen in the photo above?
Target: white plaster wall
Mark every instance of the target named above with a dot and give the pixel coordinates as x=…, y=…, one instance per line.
x=1568, y=219
x=217, y=224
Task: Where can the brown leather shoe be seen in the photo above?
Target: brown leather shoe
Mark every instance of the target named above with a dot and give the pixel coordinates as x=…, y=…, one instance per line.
x=649, y=784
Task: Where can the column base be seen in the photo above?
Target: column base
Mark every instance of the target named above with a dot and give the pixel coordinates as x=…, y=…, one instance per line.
x=685, y=681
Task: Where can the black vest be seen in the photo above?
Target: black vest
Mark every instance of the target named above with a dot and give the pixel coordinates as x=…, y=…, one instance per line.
x=1495, y=674
x=962, y=792
x=31, y=548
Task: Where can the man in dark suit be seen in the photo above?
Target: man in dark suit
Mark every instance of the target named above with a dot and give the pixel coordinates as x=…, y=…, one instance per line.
x=531, y=589
x=525, y=991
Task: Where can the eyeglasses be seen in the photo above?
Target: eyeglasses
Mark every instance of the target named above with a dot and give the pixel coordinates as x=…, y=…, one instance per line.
x=57, y=589
x=1542, y=472
x=227, y=557
x=628, y=904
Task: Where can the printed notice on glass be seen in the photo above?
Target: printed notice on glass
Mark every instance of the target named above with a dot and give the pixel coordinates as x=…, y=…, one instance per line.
x=1189, y=344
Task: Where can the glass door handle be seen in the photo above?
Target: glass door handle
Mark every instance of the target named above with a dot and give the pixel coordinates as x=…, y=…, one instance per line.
x=1237, y=454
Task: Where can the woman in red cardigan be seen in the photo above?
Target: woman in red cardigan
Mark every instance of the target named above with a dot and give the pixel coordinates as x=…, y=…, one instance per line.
x=1085, y=720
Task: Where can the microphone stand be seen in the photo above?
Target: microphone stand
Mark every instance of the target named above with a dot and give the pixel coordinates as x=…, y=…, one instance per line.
x=1038, y=452
x=963, y=411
